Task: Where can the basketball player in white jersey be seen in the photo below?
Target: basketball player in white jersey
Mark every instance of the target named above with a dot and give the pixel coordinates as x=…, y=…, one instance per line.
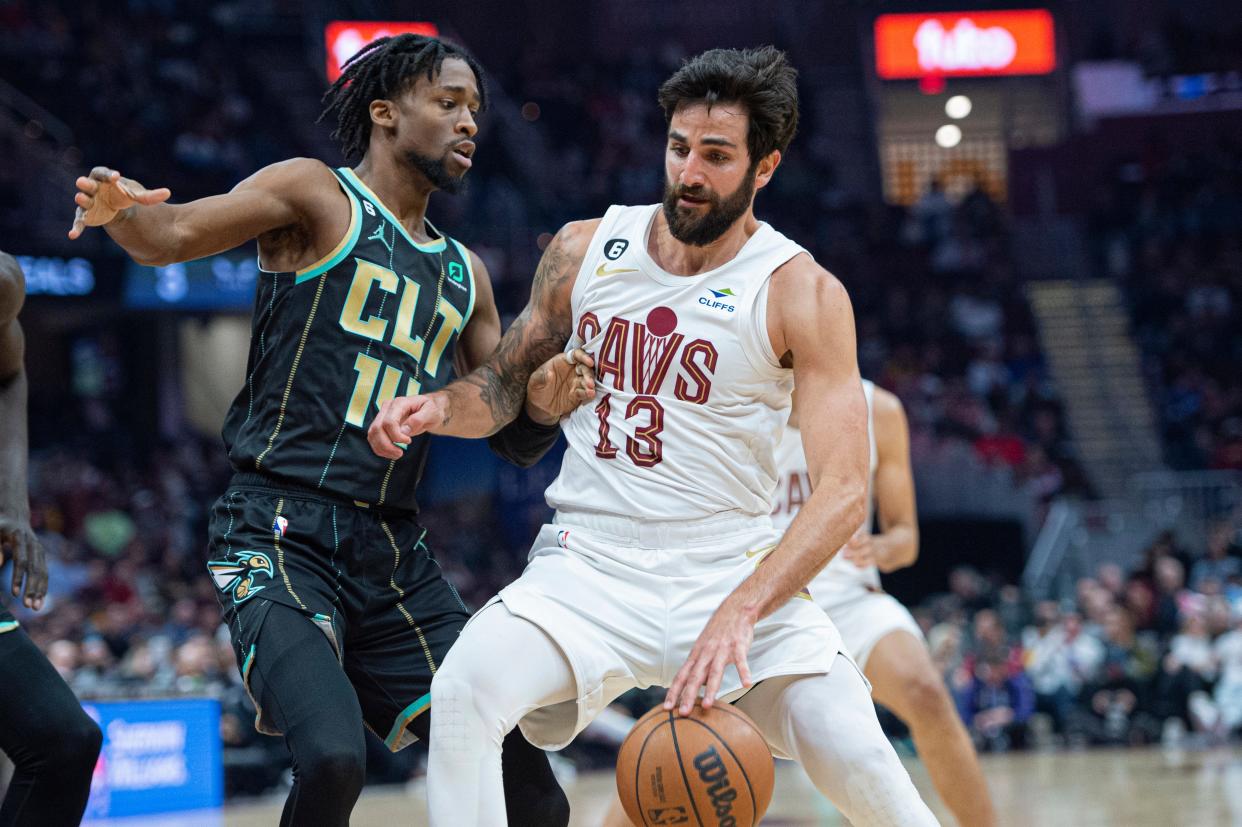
x=662, y=566
x=878, y=631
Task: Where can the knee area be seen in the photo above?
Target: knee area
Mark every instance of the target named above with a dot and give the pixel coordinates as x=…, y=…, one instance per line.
x=333, y=765
x=926, y=697
x=459, y=710
x=74, y=743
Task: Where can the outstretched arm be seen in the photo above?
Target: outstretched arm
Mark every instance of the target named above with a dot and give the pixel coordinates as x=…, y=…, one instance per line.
x=488, y=398
x=17, y=539
x=290, y=195
x=549, y=392
x=810, y=321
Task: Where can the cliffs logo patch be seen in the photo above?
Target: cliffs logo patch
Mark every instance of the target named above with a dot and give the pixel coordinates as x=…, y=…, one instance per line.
x=713, y=773
x=615, y=248
x=720, y=300
x=456, y=273
x=237, y=577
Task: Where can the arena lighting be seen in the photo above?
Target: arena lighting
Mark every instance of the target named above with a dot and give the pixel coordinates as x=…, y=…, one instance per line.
x=965, y=44
x=344, y=38
x=957, y=107
x=948, y=136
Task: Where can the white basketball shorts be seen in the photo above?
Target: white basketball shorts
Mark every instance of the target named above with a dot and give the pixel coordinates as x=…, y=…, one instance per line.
x=625, y=600
x=863, y=617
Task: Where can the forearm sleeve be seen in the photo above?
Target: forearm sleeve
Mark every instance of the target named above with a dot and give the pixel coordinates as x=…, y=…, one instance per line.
x=523, y=441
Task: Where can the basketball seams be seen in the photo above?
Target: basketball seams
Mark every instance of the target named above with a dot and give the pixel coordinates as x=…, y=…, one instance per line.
x=754, y=804
x=638, y=768
x=681, y=765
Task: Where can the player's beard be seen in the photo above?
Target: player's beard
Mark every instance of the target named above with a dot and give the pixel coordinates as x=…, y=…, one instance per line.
x=688, y=227
x=436, y=171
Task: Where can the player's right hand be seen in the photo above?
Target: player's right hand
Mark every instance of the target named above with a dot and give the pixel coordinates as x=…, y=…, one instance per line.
x=18, y=540
x=401, y=419
x=860, y=550
x=104, y=193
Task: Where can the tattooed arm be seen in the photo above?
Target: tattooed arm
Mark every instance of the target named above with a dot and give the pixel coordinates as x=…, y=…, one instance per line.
x=490, y=396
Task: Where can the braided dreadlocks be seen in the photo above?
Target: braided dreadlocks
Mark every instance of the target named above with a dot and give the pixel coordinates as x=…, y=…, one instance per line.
x=379, y=71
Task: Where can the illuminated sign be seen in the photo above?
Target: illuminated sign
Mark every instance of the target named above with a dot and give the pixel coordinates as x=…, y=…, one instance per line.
x=345, y=37
x=965, y=44
x=50, y=276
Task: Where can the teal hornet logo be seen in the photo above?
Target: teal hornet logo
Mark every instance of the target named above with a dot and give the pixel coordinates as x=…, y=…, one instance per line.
x=236, y=577
x=455, y=271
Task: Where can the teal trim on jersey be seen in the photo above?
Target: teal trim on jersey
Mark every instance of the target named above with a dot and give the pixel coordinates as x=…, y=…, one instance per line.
x=342, y=250
x=248, y=663
x=474, y=288
x=436, y=246
x=8, y=626
x=403, y=720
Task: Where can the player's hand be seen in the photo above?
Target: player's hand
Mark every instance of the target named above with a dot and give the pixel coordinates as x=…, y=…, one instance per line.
x=724, y=640
x=18, y=541
x=401, y=419
x=860, y=550
x=104, y=193
x=559, y=386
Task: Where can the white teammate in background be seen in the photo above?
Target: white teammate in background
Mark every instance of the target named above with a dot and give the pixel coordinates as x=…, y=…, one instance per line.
x=662, y=566
x=878, y=631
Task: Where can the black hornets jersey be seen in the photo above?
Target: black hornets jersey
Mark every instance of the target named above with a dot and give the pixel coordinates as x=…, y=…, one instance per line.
x=379, y=316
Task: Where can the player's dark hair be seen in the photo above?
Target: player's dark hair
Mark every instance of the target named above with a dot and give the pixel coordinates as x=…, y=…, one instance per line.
x=379, y=71
x=760, y=79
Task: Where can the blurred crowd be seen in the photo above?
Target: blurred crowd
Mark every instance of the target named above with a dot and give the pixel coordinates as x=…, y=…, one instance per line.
x=1169, y=226
x=125, y=78
x=1149, y=655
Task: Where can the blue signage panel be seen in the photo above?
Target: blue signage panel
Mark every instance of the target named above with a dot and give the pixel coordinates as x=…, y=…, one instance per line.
x=52, y=276
x=157, y=757
x=213, y=283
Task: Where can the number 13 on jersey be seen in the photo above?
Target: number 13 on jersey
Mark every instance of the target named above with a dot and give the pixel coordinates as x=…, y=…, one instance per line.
x=644, y=448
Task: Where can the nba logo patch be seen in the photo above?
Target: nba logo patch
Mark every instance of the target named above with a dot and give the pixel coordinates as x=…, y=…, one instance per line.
x=562, y=538
x=279, y=525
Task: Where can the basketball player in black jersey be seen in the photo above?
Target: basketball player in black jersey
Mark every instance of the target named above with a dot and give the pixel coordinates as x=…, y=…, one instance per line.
x=339, y=613
x=43, y=730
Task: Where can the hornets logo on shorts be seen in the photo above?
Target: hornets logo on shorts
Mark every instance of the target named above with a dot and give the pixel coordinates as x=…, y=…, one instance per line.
x=237, y=577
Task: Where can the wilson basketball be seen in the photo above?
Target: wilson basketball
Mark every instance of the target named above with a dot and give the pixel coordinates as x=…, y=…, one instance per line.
x=711, y=768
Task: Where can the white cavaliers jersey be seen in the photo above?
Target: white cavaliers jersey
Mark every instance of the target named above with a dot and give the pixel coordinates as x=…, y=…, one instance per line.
x=840, y=578
x=690, y=398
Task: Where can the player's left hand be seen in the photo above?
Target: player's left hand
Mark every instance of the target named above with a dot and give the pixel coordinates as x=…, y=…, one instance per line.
x=559, y=386
x=725, y=640
x=18, y=540
x=860, y=550
x=402, y=418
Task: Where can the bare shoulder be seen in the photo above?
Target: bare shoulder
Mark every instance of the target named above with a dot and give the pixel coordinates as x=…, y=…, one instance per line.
x=12, y=287
x=886, y=403
x=292, y=178
x=476, y=263
x=574, y=238
x=888, y=413
x=558, y=268
x=808, y=309
x=802, y=278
